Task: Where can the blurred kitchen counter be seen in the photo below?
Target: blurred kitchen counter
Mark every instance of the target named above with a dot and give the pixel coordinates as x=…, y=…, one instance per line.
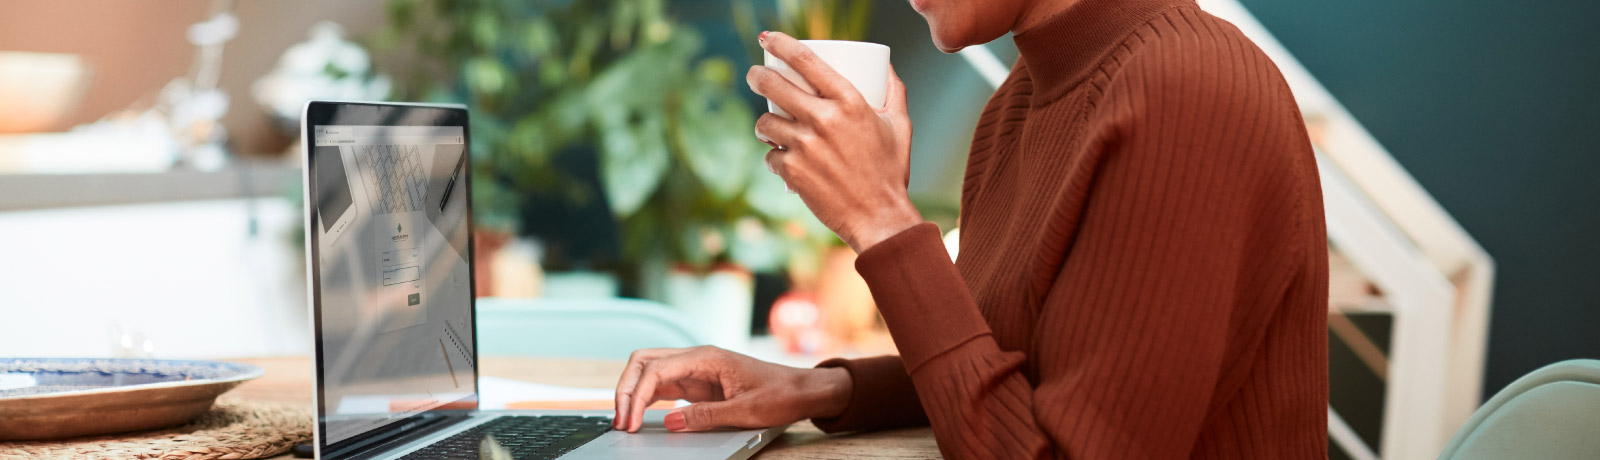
x=241, y=179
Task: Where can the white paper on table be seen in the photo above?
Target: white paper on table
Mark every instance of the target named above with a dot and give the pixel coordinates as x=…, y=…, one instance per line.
x=496, y=393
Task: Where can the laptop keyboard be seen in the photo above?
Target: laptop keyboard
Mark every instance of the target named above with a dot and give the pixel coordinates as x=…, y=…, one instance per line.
x=523, y=437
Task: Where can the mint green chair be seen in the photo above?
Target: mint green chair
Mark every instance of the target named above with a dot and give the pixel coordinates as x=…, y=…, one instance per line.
x=1551, y=413
x=595, y=328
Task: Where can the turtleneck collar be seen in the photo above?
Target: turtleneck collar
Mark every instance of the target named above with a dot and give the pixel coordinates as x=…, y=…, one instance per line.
x=1059, y=52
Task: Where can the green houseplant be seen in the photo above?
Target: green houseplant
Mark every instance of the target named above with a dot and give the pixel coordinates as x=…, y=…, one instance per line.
x=622, y=82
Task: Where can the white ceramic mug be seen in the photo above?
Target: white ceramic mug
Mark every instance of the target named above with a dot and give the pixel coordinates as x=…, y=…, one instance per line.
x=865, y=65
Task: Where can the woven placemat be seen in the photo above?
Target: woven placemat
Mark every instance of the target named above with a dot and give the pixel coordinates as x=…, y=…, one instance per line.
x=231, y=430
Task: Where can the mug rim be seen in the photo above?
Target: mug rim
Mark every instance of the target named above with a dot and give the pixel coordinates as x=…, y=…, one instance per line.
x=847, y=42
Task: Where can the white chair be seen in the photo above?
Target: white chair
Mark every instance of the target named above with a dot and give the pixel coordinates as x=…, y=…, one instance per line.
x=596, y=328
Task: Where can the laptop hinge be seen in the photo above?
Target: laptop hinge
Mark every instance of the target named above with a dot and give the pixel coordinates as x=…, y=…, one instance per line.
x=386, y=439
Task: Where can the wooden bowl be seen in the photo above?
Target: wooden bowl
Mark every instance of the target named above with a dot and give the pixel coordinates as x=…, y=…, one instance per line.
x=39, y=89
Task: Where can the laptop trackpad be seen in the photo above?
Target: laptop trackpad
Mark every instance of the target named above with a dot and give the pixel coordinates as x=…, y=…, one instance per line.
x=665, y=439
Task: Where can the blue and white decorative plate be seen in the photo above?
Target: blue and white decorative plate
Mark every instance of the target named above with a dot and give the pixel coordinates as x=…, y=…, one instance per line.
x=63, y=398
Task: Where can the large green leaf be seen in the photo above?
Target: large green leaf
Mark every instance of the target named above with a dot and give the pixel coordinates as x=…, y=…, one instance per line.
x=645, y=77
x=623, y=17
x=486, y=76
x=485, y=29
x=528, y=141
x=538, y=37
x=583, y=51
x=715, y=138
x=769, y=196
x=567, y=116
x=633, y=158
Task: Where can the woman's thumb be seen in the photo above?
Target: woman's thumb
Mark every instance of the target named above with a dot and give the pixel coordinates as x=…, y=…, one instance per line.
x=895, y=94
x=704, y=416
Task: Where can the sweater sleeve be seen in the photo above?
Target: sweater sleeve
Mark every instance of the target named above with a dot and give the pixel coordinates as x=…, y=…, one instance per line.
x=1131, y=333
x=881, y=396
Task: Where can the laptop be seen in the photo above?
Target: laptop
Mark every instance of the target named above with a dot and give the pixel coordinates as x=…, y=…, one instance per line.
x=389, y=257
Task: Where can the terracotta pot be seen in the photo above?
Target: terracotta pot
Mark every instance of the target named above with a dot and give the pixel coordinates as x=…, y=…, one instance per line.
x=485, y=244
x=848, y=313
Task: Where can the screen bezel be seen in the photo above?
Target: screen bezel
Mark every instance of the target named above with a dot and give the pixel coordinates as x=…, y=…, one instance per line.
x=378, y=114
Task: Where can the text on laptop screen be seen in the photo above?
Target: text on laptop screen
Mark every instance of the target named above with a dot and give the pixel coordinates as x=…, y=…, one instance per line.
x=395, y=291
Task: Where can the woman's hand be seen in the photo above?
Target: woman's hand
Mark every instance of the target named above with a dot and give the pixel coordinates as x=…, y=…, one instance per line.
x=728, y=390
x=849, y=161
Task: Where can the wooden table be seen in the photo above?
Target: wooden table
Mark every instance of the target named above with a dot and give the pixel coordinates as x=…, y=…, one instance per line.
x=289, y=380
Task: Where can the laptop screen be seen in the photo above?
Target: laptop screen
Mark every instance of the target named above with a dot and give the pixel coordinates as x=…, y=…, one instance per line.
x=392, y=286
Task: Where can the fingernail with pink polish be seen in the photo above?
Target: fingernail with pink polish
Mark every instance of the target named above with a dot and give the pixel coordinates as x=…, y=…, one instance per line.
x=675, y=422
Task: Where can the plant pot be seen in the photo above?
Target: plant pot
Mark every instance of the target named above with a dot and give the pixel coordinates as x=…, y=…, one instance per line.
x=486, y=244
x=717, y=303
x=847, y=310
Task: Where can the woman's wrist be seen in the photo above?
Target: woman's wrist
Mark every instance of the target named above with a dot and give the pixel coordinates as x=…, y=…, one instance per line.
x=884, y=225
x=828, y=391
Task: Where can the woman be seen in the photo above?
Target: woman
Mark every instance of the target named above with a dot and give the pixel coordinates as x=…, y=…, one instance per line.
x=1143, y=266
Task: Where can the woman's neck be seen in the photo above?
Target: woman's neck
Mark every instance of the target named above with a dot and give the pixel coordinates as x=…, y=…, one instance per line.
x=1066, y=39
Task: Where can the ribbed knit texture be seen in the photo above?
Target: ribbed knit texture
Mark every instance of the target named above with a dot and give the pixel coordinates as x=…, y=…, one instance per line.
x=1143, y=264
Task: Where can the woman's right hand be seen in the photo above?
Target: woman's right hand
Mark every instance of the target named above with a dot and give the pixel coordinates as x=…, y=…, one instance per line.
x=728, y=390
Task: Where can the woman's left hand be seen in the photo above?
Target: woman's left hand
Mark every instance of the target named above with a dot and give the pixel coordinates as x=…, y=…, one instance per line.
x=849, y=161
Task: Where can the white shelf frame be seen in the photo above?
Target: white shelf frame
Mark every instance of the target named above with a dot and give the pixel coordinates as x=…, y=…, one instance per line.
x=1437, y=278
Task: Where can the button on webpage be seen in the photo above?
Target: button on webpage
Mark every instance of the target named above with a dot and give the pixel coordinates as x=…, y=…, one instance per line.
x=413, y=299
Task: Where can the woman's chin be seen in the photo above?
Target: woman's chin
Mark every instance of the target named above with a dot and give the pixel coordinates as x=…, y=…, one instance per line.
x=951, y=43
x=952, y=36
x=949, y=49
x=948, y=41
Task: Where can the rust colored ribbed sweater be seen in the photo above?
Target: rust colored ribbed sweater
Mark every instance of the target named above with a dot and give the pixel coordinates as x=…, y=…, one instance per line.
x=1143, y=263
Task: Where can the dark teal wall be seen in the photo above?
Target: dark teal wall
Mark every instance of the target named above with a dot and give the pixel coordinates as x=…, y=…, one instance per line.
x=1494, y=107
